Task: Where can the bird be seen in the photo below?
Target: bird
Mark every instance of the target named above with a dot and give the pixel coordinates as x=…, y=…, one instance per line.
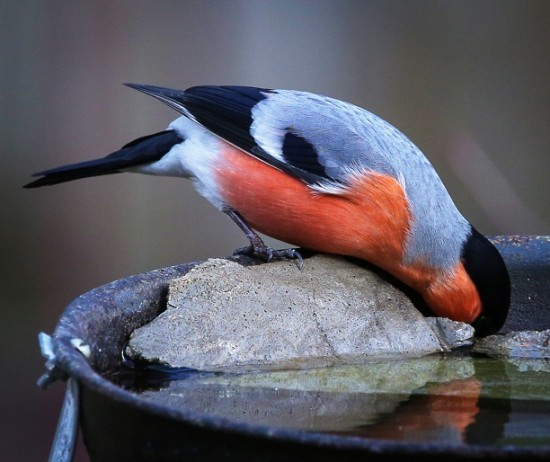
x=320, y=174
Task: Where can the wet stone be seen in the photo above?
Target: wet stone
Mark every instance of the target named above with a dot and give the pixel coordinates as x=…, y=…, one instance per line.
x=454, y=333
x=524, y=344
x=222, y=315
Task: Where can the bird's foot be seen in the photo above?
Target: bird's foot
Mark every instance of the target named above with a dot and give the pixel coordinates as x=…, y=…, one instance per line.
x=267, y=254
x=257, y=247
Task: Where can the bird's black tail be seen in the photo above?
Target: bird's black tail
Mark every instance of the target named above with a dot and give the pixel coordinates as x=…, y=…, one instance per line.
x=138, y=152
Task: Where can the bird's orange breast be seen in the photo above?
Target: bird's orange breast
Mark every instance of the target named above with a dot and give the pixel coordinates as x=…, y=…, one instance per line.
x=369, y=220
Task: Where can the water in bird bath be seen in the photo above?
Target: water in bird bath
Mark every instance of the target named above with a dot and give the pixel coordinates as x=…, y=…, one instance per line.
x=456, y=399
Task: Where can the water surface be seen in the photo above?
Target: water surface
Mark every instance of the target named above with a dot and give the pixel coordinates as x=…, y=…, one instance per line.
x=455, y=399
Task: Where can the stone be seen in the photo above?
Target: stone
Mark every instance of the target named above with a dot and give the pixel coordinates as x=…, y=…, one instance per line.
x=523, y=344
x=454, y=333
x=224, y=315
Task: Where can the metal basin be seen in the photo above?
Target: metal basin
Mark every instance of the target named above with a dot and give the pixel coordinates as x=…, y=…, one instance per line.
x=119, y=425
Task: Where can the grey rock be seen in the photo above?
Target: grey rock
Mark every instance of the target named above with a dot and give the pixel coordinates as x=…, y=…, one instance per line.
x=453, y=333
x=223, y=315
x=524, y=344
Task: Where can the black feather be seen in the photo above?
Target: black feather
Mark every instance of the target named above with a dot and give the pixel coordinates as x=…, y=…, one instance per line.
x=141, y=151
x=487, y=270
x=300, y=153
x=227, y=112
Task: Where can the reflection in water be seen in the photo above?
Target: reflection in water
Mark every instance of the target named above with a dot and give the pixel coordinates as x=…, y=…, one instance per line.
x=440, y=412
x=451, y=400
x=494, y=411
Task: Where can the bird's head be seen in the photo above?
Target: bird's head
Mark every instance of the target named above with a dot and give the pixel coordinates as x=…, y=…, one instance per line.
x=488, y=272
x=477, y=291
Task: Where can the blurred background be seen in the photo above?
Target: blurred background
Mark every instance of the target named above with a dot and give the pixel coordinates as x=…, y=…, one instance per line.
x=467, y=81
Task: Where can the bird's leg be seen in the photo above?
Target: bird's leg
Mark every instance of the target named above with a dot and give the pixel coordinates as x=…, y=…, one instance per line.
x=257, y=247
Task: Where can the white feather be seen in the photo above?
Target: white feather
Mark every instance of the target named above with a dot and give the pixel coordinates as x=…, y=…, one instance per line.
x=195, y=157
x=266, y=133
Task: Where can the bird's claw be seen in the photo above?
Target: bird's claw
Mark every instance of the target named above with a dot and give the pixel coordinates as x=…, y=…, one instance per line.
x=268, y=254
x=289, y=254
x=264, y=253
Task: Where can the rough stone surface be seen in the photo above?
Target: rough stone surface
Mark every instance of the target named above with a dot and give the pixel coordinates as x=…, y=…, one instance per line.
x=454, y=333
x=223, y=315
x=524, y=344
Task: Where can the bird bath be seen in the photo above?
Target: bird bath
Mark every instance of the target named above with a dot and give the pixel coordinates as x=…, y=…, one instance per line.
x=459, y=407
